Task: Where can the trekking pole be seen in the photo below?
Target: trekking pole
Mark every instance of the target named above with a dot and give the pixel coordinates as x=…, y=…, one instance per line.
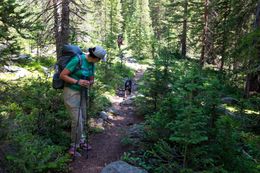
x=77, y=127
x=87, y=110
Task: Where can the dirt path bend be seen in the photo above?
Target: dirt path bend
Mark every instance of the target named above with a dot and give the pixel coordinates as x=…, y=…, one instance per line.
x=106, y=146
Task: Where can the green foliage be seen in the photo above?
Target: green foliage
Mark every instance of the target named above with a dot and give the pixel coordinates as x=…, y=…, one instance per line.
x=228, y=147
x=35, y=127
x=126, y=141
x=35, y=155
x=186, y=131
x=137, y=158
x=46, y=61
x=98, y=102
x=14, y=23
x=108, y=79
x=34, y=124
x=111, y=77
x=138, y=27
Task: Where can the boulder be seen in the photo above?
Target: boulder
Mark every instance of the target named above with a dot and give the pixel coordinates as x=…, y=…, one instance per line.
x=136, y=131
x=3, y=47
x=22, y=57
x=103, y=115
x=231, y=114
x=135, y=134
x=18, y=71
x=106, y=116
x=121, y=167
x=97, y=123
x=113, y=111
x=127, y=102
x=12, y=68
x=100, y=123
x=132, y=60
x=229, y=100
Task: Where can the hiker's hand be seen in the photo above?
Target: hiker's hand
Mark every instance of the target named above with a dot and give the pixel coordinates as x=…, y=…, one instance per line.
x=91, y=82
x=84, y=83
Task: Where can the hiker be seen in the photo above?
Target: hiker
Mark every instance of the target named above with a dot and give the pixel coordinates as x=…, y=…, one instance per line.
x=120, y=40
x=76, y=85
x=128, y=87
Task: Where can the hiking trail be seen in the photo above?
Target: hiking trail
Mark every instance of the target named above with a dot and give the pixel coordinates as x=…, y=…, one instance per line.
x=107, y=146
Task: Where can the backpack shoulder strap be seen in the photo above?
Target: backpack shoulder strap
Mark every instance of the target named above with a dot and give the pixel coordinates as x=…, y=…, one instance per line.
x=92, y=65
x=80, y=60
x=79, y=64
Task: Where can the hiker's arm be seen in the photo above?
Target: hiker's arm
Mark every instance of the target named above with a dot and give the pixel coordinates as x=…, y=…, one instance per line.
x=64, y=75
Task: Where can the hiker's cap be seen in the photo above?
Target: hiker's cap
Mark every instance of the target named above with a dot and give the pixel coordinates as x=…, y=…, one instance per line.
x=100, y=52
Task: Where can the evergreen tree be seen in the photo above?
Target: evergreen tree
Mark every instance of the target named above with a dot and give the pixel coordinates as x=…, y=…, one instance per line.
x=252, y=81
x=107, y=20
x=139, y=30
x=14, y=22
x=184, y=17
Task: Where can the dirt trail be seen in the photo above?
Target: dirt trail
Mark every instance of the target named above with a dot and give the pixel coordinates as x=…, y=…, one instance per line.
x=106, y=146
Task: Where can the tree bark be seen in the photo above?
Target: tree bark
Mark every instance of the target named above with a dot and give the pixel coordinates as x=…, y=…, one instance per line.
x=61, y=24
x=184, y=31
x=204, y=34
x=225, y=35
x=253, y=78
x=56, y=14
x=65, y=22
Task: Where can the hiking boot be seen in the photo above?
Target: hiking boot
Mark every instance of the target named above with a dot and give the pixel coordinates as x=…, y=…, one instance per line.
x=73, y=152
x=85, y=146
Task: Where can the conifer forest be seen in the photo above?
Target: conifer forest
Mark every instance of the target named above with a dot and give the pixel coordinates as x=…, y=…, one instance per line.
x=195, y=101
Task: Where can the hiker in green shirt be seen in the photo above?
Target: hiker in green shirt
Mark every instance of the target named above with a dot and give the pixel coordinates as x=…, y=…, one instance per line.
x=76, y=83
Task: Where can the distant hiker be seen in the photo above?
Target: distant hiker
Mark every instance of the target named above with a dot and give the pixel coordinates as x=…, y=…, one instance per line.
x=128, y=87
x=75, y=92
x=120, y=40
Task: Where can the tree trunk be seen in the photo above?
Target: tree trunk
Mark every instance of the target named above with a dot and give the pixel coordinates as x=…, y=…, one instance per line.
x=61, y=24
x=184, y=30
x=225, y=35
x=56, y=14
x=253, y=78
x=185, y=164
x=204, y=34
x=223, y=52
x=65, y=25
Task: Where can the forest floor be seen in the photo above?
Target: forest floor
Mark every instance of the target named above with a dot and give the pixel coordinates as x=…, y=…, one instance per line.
x=107, y=146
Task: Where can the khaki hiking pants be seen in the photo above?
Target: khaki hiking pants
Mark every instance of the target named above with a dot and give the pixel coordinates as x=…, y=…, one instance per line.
x=72, y=103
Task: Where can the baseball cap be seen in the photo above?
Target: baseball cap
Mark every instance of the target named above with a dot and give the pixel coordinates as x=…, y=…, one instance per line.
x=100, y=52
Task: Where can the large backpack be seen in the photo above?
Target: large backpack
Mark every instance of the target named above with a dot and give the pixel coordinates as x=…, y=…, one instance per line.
x=68, y=51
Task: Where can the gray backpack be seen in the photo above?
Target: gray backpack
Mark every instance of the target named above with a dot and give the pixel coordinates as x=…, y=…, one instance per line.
x=68, y=51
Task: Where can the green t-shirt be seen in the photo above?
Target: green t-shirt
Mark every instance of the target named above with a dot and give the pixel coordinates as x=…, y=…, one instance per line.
x=87, y=69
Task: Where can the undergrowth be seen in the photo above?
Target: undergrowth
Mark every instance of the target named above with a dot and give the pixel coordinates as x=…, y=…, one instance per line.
x=34, y=125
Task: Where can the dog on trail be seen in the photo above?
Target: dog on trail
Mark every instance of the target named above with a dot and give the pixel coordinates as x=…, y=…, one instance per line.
x=128, y=87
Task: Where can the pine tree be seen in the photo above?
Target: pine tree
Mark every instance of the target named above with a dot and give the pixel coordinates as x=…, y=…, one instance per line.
x=139, y=30
x=205, y=33
x=227, y=31
x=252, y=80
x=106, y=24
x=184, y=17
x=62, y=19
x=14, y=22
